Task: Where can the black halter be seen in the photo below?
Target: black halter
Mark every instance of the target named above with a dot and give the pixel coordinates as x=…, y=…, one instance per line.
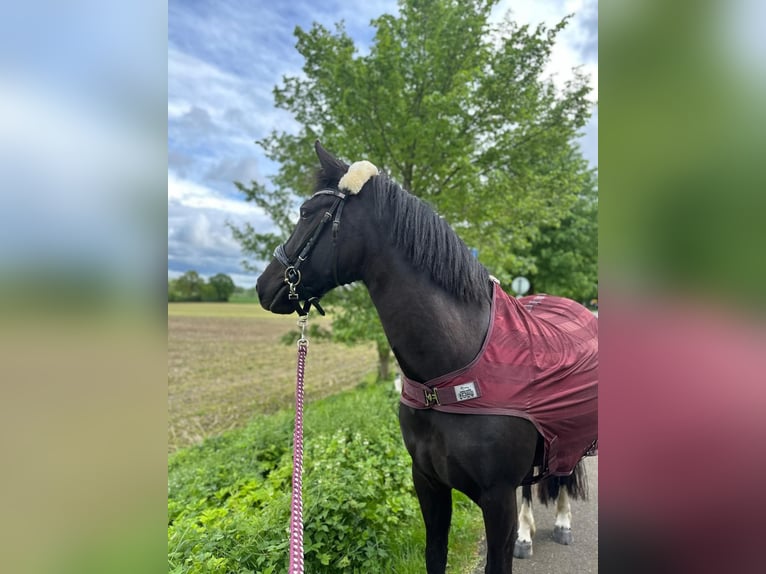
x=292, y=268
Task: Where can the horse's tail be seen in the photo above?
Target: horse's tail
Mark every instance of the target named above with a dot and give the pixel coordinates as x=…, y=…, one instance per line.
x=576, y=485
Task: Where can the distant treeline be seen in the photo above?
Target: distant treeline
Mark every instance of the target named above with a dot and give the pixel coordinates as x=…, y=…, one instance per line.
x=191, y=287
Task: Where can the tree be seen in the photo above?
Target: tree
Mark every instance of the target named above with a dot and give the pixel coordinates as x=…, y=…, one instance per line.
x=450, y=106
x=191, y=287
x=566, y=256
x=222, y=285
x=355, y=319
x=188, y=287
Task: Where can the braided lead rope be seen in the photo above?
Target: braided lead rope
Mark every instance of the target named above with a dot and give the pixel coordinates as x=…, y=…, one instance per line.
x=296, y=500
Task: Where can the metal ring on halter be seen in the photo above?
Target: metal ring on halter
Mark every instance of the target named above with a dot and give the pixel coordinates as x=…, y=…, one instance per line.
x=290, y=271
x=293, y=293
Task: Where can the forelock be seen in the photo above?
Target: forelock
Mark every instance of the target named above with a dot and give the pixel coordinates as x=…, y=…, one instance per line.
x=357, y=175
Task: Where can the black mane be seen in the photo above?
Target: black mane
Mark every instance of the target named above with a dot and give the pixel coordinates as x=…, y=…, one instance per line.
x=428, y=241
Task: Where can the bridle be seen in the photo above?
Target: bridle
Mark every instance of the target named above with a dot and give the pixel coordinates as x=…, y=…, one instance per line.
x=292, y=267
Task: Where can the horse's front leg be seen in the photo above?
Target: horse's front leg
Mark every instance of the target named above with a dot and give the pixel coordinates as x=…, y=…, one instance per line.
x=436, y=505
x=498, y=505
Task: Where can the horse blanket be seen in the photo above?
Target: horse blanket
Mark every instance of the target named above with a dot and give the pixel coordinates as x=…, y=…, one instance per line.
x=539, y=361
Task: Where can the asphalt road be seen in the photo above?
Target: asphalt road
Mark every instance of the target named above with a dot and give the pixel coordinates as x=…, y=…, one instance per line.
x=581, y=557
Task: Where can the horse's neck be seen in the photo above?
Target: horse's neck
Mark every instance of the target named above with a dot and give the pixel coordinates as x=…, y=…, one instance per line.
x=430, y=331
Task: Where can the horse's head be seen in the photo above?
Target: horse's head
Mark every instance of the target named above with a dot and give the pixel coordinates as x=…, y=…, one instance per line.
x=324, y=250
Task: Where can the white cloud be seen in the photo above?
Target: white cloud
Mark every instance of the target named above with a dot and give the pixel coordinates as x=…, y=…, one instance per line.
x=198, y=83
x=215, y=115
x=189, y=194
x=178, y=108
x=198, y=235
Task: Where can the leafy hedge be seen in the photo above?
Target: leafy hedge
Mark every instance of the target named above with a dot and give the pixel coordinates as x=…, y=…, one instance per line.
x=228, y=499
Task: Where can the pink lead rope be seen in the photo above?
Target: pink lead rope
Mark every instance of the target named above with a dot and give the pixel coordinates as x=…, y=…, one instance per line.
x=296, y=501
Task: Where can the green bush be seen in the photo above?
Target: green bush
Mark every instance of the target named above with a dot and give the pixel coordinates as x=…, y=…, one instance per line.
x=228, y=499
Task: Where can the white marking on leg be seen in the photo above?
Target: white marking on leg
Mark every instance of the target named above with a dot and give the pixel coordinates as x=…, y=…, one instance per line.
x=526, y=522
x=563, y=510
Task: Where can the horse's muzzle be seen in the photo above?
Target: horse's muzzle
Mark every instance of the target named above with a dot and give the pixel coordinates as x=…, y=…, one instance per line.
x=273, y=296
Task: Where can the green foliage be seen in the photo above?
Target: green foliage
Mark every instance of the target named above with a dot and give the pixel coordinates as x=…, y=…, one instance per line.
x=188, y=287
x=355, y=319
x=191, y=287
x=228, y=499
x=222, y=285
x=566, y=256
x=451, y=106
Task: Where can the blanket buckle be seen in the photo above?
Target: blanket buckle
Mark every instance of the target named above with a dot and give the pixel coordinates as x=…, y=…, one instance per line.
x=431, y=397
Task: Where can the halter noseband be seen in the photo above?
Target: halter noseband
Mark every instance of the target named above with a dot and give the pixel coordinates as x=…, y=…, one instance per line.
x=292, y=268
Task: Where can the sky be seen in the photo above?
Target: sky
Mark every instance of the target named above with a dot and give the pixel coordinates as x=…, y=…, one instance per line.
x=224, y=59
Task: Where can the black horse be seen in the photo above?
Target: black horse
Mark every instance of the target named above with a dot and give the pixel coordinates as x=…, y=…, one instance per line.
x=435, y=301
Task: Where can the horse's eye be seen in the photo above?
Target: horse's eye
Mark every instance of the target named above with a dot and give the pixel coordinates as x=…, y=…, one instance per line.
x=304, y=213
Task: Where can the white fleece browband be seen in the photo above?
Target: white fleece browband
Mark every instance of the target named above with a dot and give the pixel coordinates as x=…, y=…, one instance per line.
x=356, y=176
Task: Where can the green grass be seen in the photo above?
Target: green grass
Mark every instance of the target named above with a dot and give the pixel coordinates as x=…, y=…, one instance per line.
x=229, y=496
x=231, y=309
x=243, y=298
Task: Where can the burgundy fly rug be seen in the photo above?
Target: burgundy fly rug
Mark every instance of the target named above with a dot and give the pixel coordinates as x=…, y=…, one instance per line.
x=539, y=361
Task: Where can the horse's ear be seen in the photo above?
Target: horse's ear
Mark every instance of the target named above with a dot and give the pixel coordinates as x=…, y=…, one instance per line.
x=332, y=168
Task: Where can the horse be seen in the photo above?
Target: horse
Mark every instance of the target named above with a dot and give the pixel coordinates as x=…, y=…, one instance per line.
x=438, y=304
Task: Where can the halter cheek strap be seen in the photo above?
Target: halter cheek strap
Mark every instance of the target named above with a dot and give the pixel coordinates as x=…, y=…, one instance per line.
x=335, y=229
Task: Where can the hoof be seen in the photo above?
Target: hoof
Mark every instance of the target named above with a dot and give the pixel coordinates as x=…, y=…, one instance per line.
x=562, y=535
x=522, y=549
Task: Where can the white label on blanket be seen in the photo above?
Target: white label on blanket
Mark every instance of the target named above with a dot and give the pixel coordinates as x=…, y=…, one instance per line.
x=466, y=391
